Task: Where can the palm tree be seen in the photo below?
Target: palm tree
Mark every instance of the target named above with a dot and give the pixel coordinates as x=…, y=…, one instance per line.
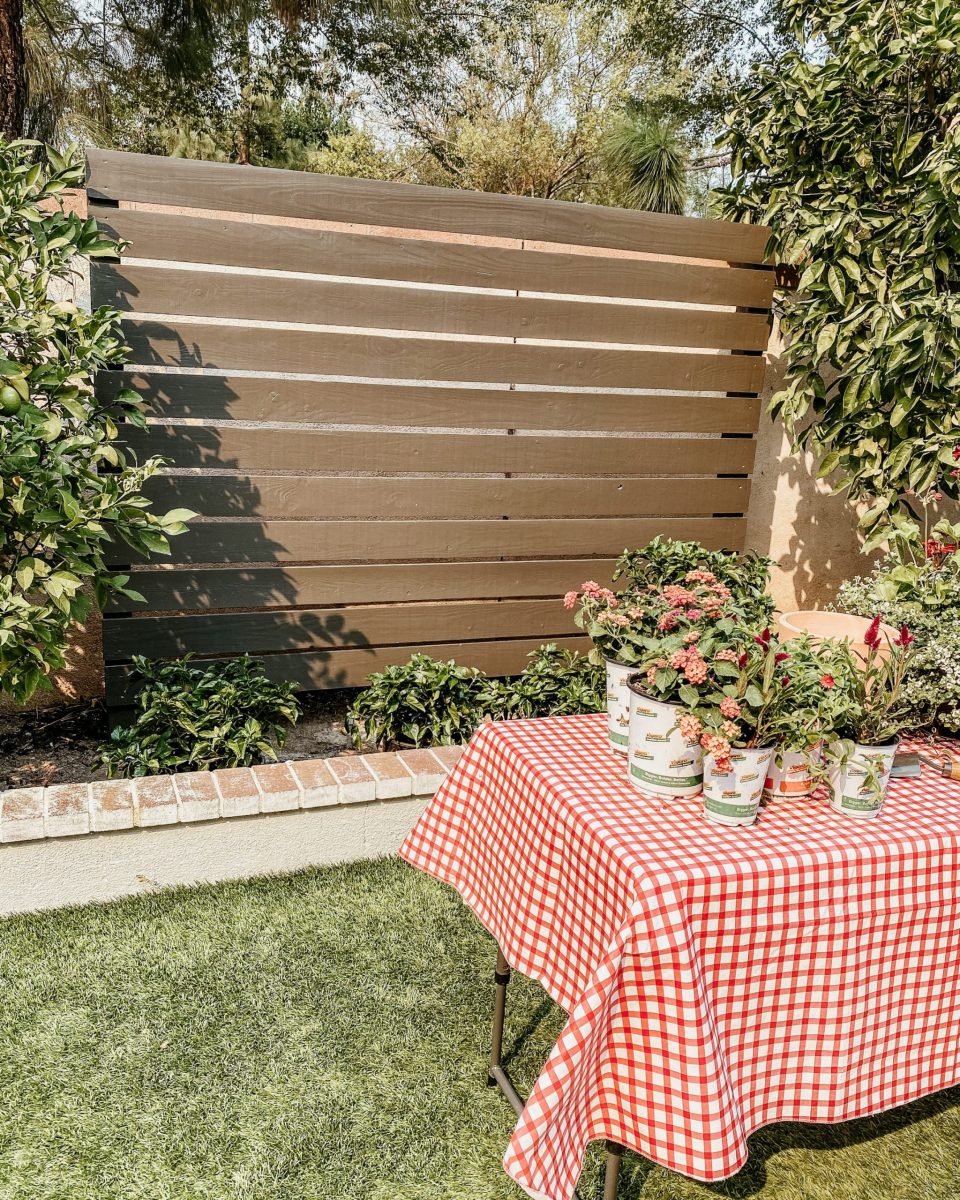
x=650, y=158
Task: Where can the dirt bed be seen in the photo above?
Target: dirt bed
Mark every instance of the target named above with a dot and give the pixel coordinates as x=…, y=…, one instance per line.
x=60, y=745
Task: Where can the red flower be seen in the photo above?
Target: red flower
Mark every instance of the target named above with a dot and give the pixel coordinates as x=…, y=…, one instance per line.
x=742, y=661
x=905, y=639
x=956, y=454
x=781, y=656
x=872, y=637
x=785, y=681
x=827, y=681
x=764, y=639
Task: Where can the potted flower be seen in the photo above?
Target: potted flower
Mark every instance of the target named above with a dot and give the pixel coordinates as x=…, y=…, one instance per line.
x=865, y=711
x=737, y=721
x=614, y=622
x=795, y=768
x=694, y=621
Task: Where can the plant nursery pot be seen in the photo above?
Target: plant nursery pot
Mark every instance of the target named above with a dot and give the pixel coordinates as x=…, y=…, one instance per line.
x=618, y=704
x=733, y=797
x=840, y=627
x=660, y=759
x=792, y=777
x=851, y=790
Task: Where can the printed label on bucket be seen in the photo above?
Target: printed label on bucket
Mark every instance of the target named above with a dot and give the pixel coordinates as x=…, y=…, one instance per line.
x=620, y=738
x=729, y=810
x=680, y=781
x=861, y=803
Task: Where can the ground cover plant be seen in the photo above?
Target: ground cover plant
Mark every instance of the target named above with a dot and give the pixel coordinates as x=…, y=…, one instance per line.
x=191, y=717
x=66, y=489
x=325, y=1035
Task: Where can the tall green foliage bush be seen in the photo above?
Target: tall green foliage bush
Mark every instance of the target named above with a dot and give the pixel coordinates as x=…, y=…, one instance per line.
x=66, y=489
x=848, y=146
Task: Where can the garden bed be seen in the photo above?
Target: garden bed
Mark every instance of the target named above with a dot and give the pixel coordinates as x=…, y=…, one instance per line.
x=60, y=745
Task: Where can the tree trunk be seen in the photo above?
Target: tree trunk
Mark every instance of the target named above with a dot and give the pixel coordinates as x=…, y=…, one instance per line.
x=13, y=80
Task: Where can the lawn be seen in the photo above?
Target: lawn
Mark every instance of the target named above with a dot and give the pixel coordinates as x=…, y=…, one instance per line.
x=324, y=1035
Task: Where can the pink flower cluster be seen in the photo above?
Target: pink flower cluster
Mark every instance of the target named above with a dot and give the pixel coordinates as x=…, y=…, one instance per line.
x=719, y=747
x=593, y=591
x=729, y=707
x=690, y=726
x=691, y=663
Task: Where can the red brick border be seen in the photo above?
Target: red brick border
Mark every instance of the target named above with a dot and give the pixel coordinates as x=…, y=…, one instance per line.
x=76, y=809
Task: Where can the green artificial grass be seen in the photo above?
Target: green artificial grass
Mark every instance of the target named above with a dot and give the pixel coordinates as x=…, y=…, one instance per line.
x=325, y=1035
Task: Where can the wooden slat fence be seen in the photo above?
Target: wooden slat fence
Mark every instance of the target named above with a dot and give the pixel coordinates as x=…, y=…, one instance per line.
x=409, y=417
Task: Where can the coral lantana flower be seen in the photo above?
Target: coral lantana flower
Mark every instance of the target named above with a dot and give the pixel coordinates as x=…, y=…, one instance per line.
x=827, y=681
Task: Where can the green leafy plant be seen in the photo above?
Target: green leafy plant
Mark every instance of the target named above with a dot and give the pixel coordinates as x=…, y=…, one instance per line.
x=66, y=489
x=666, y=561
x=863, y=698
x=422, y=702
x=848, y=146
x=554, y=683
x=918, y=584
x=191, y=718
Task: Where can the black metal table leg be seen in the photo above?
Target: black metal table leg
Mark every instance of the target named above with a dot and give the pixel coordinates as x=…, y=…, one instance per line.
x=497, y=1076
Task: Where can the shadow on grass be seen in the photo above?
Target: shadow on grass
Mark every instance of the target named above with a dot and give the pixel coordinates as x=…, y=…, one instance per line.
x=752, y=1180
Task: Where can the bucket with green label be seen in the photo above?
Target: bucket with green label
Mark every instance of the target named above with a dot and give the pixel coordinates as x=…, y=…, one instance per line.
x=618, y=704
x=660, y=759
x=731, y=795
x=858, y=783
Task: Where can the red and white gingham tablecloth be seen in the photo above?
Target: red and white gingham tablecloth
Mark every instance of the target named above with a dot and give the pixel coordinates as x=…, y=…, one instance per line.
x=805, y=968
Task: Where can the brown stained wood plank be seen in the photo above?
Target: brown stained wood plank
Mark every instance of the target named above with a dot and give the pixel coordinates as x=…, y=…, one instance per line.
x=305, y=496
x=276, y=587
x=218, y=186
x=375, y=541
x=295, y=450
x=143, y=289
x=335, y=628
x=243, y=398
x=176, y=238
x=322, y=669
x=197, y=344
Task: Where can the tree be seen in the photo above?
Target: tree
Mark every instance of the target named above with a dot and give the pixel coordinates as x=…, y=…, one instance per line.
x=848, y=145
x=651, y=160
x=66, y=489
x=13, y=71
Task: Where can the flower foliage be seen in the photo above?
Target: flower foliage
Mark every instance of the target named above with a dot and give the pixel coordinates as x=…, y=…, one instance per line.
x=863, y=698
x=66, y=489
x=848, y=146
x=189, y=719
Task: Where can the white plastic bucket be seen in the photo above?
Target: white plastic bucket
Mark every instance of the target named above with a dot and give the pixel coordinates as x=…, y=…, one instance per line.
x=859, y=786
x=660, y=759
x=733, y=797
x=618, y=704
x=792, y=776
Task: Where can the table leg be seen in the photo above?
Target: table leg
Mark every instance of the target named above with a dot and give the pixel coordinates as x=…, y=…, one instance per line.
x=497, y=1076
x=612, y=1172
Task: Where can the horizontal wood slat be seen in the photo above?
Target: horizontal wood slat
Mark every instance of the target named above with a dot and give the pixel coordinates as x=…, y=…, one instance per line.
x=367, y=541
x=350, y=451
x=284, y=587
x=320, y=302
x=221, y=187
x=312, y=629
x=380, y=356
x=176, y=238
x=380, y=497
x=349, y=668
x=244, y=398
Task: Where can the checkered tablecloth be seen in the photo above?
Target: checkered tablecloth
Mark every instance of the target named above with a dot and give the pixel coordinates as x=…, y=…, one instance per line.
x=806, y=968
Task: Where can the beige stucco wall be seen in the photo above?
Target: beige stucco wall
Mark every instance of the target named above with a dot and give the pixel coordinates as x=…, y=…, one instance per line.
x=810, y=534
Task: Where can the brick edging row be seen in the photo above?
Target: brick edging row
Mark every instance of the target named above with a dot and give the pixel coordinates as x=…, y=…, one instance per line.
x=75, y=809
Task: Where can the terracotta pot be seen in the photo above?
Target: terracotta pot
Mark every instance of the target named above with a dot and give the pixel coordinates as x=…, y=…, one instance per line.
x=733, y=797
x=792, y=776
x=836, y=626
x=618, y=704
x=660, y=759
x=858, y=787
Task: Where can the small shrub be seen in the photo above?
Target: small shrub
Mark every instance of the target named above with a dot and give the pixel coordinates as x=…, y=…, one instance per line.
x=422, y=702
x=666, y=561
x=228, y=714
x=918, y=585
x=554, y=683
